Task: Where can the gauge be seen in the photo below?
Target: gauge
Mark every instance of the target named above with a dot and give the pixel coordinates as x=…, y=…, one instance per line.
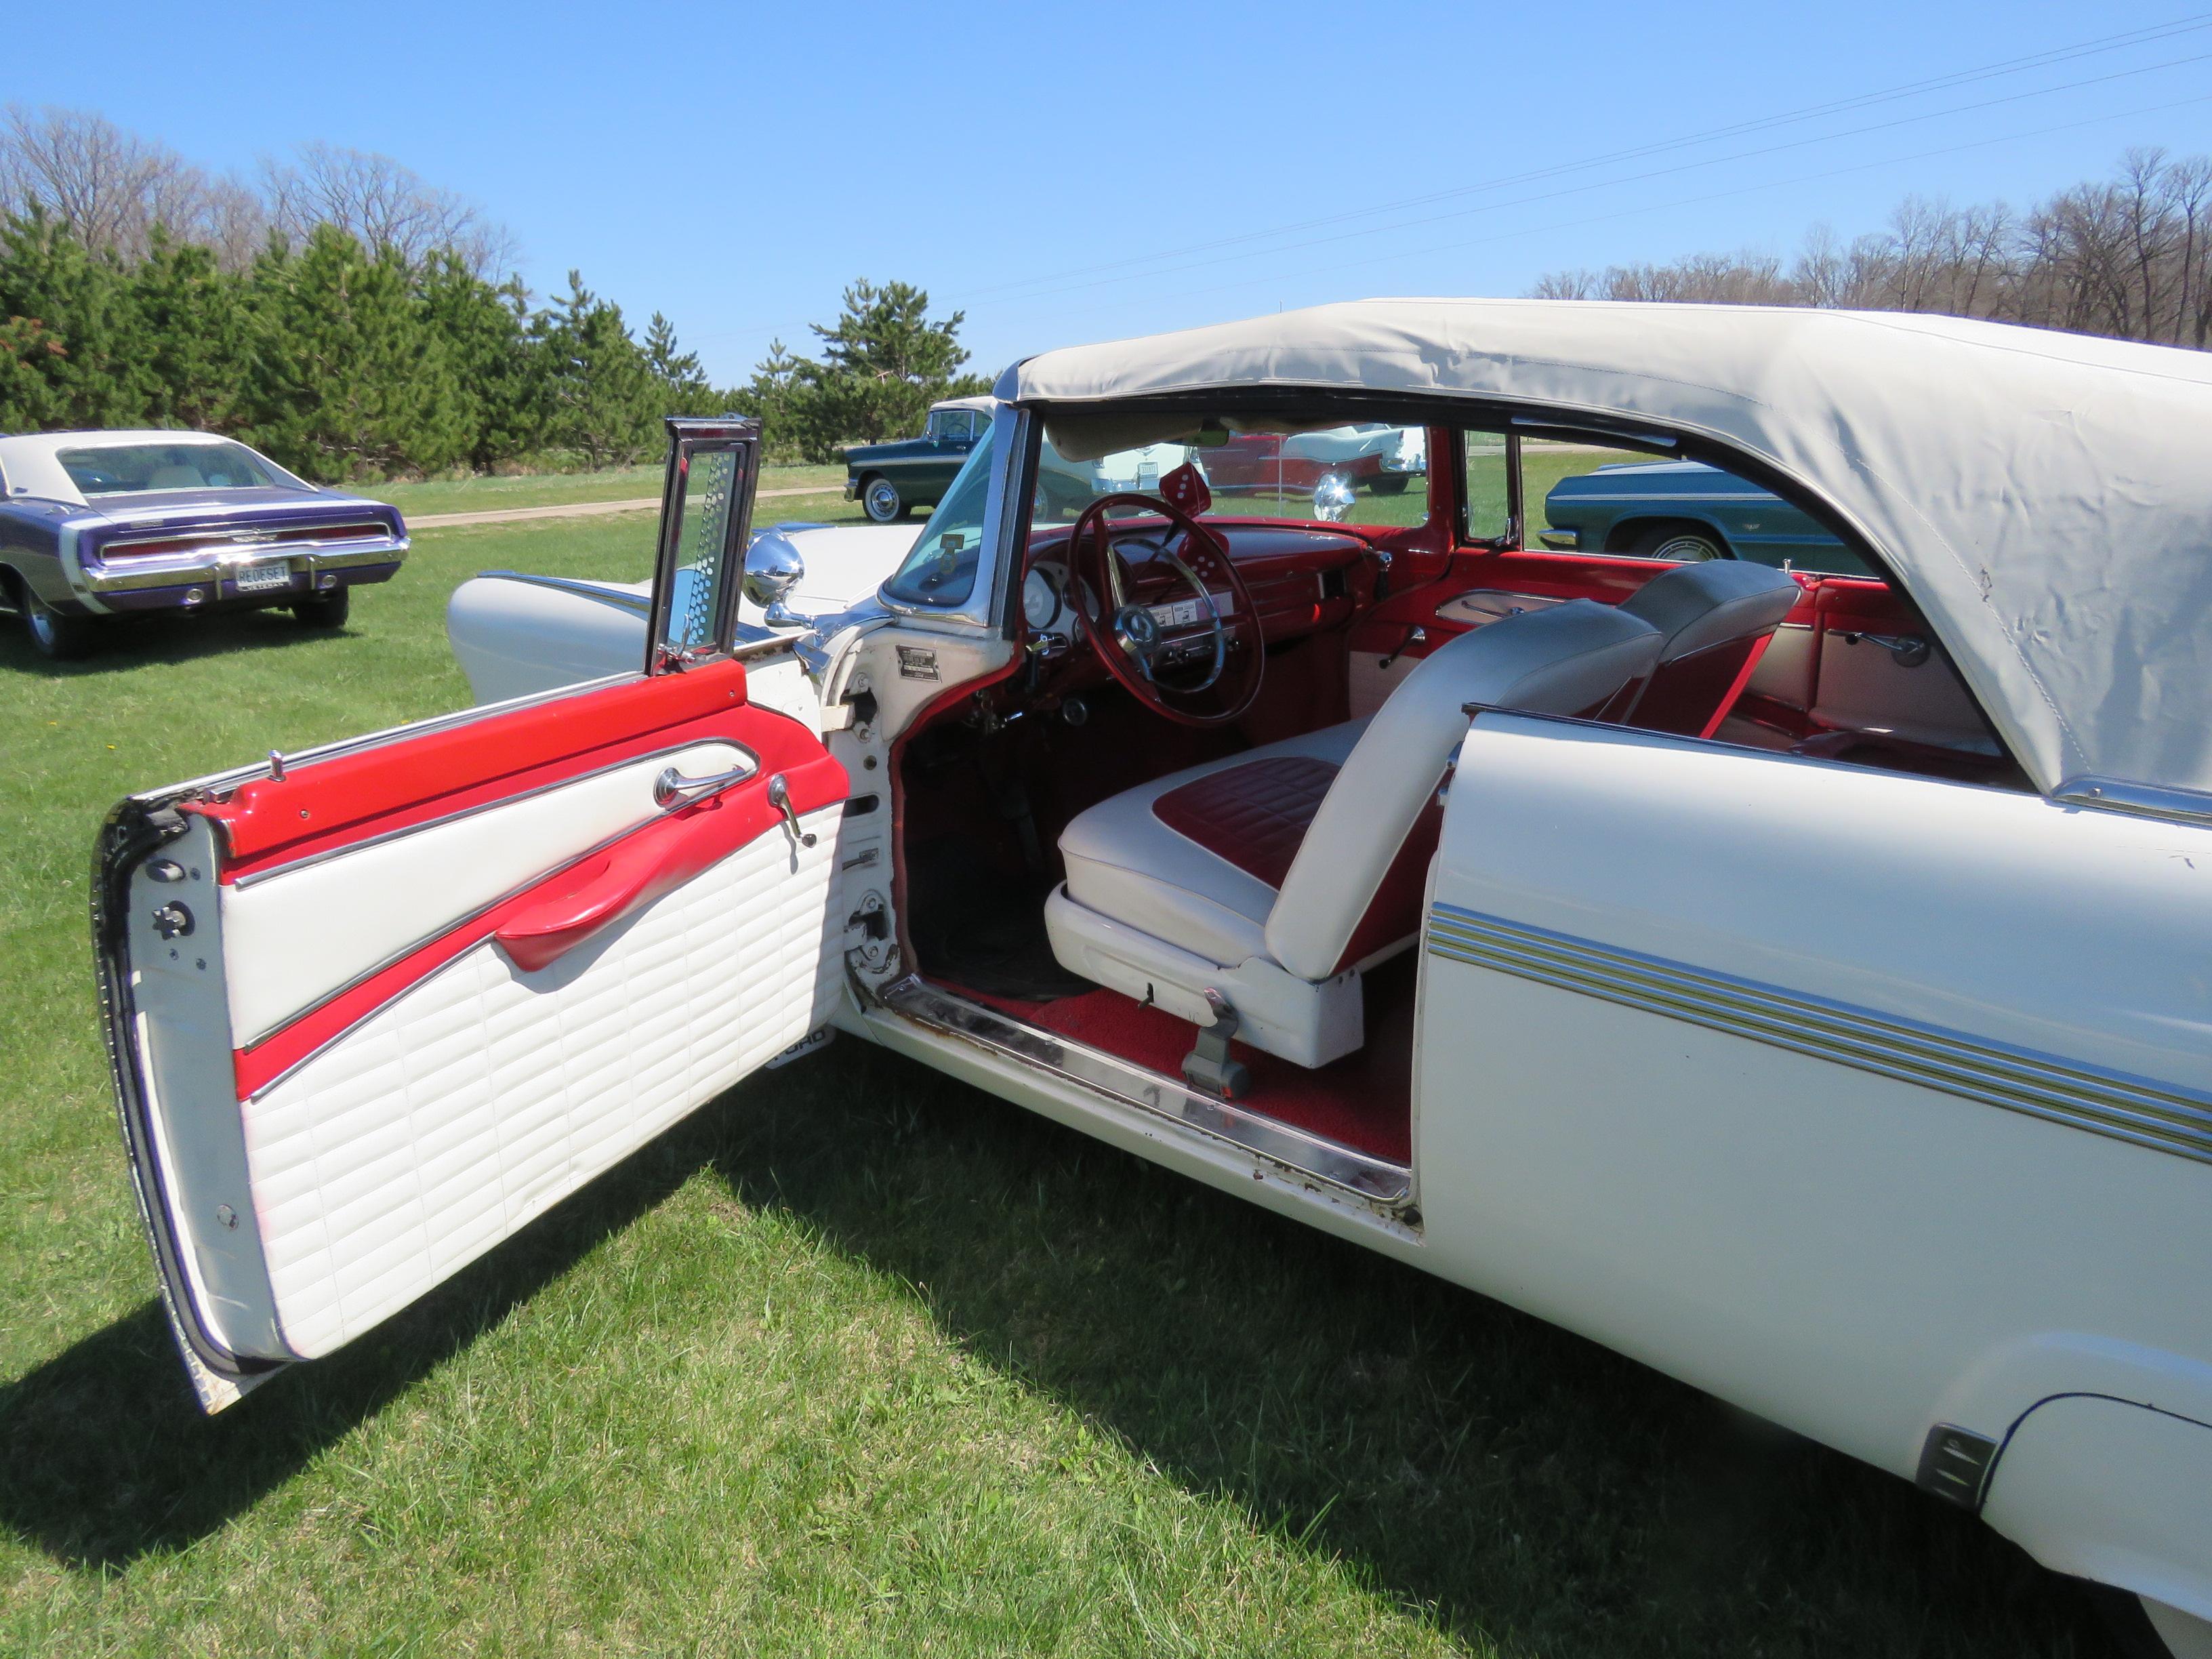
x=1040, y=601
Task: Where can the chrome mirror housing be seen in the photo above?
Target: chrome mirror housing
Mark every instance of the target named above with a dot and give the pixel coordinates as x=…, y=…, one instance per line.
x=1332, y=498
x=773, y=568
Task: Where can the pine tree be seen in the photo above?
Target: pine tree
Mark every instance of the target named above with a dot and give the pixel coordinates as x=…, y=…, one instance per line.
x=80, y=303
x=193, y=325
x=602, y=397
x=883, y=363
x=352, y=379
x=484, y=329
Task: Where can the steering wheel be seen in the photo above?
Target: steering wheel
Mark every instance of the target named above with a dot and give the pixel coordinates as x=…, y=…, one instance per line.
x=1129, y=641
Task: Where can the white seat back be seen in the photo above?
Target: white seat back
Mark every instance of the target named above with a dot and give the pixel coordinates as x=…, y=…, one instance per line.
x=1698, y=606
x=1564, y=660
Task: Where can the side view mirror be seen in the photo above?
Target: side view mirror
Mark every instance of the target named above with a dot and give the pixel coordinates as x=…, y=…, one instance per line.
x=773, y=568
x=1332, y=498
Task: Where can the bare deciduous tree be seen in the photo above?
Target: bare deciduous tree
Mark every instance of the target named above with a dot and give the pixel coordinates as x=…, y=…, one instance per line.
x=111, y=189
x=2130, y=257
x=380, y=204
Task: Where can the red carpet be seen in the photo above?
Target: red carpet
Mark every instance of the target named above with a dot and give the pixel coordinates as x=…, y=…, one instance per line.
x=1365, y=1100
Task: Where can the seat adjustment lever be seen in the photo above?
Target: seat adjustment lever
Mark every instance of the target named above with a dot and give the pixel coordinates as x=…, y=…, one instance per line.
x=1208, y=1066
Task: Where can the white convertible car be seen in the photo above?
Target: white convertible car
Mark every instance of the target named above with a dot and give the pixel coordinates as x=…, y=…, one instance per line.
x=1795, y=981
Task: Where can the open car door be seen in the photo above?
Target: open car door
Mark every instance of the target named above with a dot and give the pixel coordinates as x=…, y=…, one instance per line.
x=373, y=1008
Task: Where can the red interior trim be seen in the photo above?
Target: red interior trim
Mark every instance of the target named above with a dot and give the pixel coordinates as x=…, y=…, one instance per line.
x=1254, y=816
x=332, y=803
x=568, y=905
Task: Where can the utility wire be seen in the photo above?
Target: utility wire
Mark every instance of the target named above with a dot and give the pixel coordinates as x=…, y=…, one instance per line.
x=1843, y=105
x=1634, y=177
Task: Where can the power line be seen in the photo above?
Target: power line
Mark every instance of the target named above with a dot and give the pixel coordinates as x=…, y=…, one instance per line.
x=1639, y=178
x=1712, y=196
x=2149, y=34
x=2146, y=36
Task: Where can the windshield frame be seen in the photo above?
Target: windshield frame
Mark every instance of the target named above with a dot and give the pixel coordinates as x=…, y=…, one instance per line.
x=1006, y=443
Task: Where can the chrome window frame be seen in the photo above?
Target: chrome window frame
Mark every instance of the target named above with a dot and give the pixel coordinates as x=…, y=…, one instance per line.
x=981, y=610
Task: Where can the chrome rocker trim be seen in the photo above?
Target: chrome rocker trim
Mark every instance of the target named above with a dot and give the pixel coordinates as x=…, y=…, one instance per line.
x=1385, y=1186
x=2141, y=1111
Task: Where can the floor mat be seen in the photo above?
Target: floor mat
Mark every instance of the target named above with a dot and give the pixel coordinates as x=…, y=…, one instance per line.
x=982, y=925
x=1365, y=1100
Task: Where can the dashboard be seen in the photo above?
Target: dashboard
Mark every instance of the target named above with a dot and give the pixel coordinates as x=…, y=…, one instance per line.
x=1301, y=582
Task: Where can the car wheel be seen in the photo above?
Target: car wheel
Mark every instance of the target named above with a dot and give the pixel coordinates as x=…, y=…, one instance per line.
x=1678, y=544
x=1389, y=484
x=881, y=500
x=56, y=637
x=325, y=610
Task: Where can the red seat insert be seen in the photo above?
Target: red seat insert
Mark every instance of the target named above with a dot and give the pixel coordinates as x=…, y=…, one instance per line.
x=1253, y=815
x=1256, y=815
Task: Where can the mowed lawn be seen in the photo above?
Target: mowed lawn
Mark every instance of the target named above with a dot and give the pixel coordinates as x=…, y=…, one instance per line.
x=858, y=1360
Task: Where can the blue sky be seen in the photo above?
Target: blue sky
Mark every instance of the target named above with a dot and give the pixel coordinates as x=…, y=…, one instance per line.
x=1074, y=174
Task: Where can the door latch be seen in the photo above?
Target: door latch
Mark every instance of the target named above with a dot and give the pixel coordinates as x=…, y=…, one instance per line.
x=172, y=920
x=779, y=796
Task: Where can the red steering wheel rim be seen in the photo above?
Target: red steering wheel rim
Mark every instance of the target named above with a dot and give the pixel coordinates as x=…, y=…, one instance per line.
x=1090, y=544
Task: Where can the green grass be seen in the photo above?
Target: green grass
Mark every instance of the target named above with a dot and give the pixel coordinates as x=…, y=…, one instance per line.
x=562, y=489
x=856, y=1361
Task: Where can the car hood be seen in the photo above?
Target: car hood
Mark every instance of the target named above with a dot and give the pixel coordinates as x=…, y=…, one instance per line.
x=845, y=565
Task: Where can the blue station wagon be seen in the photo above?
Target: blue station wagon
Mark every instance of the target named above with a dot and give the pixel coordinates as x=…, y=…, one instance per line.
x=1684, y=510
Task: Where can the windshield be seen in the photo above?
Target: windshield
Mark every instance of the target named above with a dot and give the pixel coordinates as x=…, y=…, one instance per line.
x=940, y=569
x=1363, y=473
x=114, y=468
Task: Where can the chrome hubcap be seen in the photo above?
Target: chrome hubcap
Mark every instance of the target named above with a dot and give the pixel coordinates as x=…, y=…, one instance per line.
x=1685, y=550
x=882, y=501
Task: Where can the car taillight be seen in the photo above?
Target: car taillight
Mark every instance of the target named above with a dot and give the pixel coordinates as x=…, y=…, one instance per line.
x=146, y=549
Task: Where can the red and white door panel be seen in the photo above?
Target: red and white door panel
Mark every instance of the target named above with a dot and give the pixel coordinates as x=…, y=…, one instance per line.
x=367, y=1053
x=373, y=1012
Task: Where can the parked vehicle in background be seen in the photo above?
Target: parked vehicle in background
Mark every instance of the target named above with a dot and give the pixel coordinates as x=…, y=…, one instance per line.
x=1369, y=454
x=96, y=524
x=1678, y=510
x=891, y=479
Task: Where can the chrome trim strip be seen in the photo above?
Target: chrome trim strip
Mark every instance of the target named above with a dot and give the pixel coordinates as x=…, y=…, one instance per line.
x=1374, y=1181
x=641, y=604
x=219, y=783
x=2140, y=799
x=255, y=878
x=2144, y=1112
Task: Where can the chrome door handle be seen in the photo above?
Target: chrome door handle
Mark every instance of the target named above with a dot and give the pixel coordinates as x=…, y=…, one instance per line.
x=673, y=789
x=779, y=796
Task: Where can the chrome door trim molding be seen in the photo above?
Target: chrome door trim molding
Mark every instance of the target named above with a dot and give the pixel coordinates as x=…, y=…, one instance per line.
x=474, y=917
x=2141, y=1111
x=1377, y=1182
x=2139, y=800
x=255, y=878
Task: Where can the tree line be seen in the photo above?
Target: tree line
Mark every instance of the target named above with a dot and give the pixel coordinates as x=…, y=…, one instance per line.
x=2129, y=257
x=352, y=321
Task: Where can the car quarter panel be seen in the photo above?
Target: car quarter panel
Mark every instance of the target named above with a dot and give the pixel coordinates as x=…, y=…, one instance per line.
x=1863, y=1132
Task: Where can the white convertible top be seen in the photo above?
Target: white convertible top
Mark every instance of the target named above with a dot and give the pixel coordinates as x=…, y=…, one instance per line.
x=2046, y=499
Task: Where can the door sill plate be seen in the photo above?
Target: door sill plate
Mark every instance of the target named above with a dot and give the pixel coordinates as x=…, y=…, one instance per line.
x=1387, y=1186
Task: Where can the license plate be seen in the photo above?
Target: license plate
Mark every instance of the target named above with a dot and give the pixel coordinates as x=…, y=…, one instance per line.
x=1183, y=613
x=262, y=578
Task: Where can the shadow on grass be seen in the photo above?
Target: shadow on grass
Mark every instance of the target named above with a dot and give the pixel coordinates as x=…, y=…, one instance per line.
x=1515, y=1484
x=108, y=1457
x=128, y=643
